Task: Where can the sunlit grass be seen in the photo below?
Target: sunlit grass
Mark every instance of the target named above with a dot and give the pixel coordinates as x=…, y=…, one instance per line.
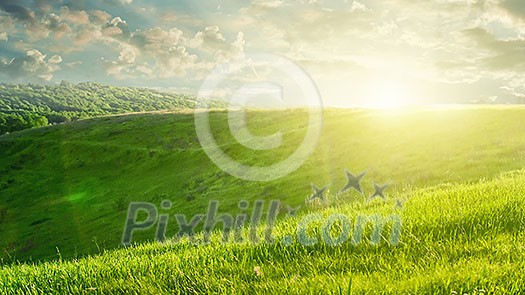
x=65, y=191
x=461, y=238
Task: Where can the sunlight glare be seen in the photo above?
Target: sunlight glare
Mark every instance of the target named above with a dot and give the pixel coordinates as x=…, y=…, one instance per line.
x=390, y=94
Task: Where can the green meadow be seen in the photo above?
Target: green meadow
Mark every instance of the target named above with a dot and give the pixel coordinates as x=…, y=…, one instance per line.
x=455, y=178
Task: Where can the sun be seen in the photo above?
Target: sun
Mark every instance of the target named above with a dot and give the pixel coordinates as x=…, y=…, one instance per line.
x=388, y=94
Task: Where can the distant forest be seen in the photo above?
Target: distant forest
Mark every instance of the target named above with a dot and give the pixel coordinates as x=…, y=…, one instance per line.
x=27, y=106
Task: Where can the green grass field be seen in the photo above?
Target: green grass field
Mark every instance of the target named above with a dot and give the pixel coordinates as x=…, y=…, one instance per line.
x=65, y=190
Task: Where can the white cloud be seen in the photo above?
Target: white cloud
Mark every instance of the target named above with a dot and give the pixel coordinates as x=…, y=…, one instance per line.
x=152, y=53
x=77, y=17
x=157, y=39
x=55, y=59
x=357, y=6
x=116, y=21
x=209, y=39
x=159, y=53
x=212, y=41
x=268, y=3
x=100, y=17
x=33, y=64
x=127, y=55
x=435, y=41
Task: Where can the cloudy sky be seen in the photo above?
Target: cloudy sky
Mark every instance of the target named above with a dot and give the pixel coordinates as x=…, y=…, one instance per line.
x=357, y=52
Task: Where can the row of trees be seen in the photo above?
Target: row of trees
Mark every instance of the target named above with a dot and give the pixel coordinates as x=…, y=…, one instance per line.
x=30, y=105
x=15, y=122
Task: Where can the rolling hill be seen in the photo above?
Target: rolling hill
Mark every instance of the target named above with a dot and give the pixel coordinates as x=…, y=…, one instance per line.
x=455, y=179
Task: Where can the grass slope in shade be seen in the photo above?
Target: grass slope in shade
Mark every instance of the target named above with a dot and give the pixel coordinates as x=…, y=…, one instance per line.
x=457, y=239
x=68, y=186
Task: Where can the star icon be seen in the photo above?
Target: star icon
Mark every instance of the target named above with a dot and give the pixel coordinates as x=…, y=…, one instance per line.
x=399, y=204
x=379, y=191
x=292, y=212
x=353, y=181
x=318, y=194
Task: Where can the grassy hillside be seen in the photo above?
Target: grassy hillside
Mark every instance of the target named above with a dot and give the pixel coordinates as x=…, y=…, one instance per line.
x=457, y=239
x=65, y=189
